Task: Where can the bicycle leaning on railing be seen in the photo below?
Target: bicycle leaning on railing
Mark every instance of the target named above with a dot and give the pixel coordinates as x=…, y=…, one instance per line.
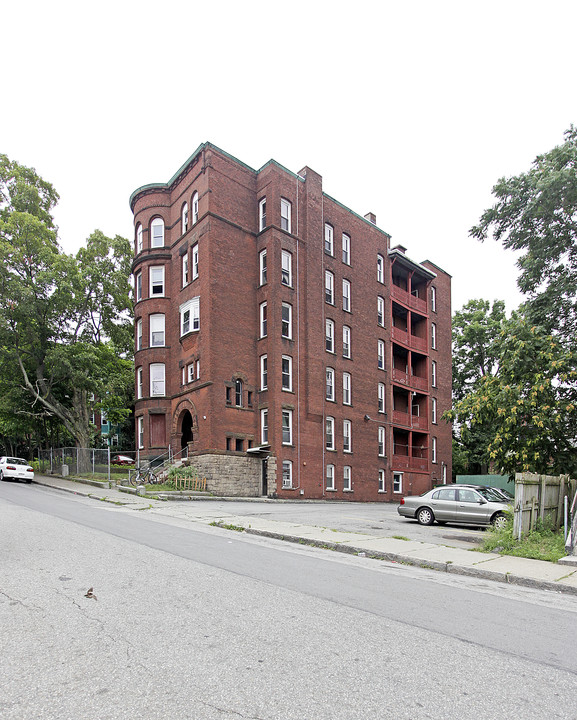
x=144, y=476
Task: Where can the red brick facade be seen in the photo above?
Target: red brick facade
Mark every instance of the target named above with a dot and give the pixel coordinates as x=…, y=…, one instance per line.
x=274, y=321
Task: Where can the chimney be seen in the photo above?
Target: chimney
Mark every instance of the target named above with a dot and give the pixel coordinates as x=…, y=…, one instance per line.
x=371, y=217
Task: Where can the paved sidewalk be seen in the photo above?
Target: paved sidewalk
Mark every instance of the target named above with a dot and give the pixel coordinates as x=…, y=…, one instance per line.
x=560, y=577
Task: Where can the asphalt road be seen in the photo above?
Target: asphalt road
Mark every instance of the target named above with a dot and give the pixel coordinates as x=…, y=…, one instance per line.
x=211, y=624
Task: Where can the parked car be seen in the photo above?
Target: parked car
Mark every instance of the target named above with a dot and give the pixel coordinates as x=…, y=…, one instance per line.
x=121, y=460
x=11, y=467
x=456, y=504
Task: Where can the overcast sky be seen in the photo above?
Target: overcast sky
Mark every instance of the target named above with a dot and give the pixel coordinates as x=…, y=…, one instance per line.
x=411, y=110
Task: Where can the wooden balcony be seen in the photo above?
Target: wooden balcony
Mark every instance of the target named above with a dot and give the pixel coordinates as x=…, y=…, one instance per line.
x=404, y=297
x=410, y=421
x=410, y=381
x=405, y=462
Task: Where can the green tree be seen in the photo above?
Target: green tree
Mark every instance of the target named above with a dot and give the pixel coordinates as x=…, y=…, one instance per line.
x=65, y=321
x=536, y=214
x=529, y=405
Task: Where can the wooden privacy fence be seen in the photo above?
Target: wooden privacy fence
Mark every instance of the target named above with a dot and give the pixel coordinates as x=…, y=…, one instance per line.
x=540, y=497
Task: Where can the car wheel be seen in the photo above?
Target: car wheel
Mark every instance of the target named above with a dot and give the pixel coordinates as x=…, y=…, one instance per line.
x=499, y=521
x=425, y=516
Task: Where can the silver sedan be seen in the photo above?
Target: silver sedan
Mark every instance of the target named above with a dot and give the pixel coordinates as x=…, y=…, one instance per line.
x=455, y=504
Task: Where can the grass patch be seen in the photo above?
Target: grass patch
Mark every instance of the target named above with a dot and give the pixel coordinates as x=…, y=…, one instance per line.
x=543, y=543
x=401, y=537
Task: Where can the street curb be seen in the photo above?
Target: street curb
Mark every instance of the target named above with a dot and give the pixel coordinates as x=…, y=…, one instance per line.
x=448, y=567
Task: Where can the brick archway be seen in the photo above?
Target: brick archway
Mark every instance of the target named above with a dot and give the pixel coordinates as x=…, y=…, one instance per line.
x=184, y=424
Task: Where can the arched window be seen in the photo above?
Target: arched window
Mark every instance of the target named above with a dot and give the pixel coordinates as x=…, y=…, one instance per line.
x=195, y=208
x=238, y=393
x=157, y=233
x=184, y=218
x=139, y=238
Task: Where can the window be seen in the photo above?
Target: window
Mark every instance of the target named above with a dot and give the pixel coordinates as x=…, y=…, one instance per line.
x=330, y=384
x=138, y=284
x=262, y=266
x=329, y=244
x=346, y=249
x=185, y=277
x=347, y=436
x=139, y=243
x=197, y=369
x=329, y=336
x=157, y=330
x=238, y=393
x=184, y=218
x=330, y=433
x=195, y=208
x=287, y=373
x=381, y=311
x=190, y=372
x=381, y=481
x=433, y=298
x=397, y=482
x=139, y=383
x=263, y=372
x=140, y=432
x=346, y=295
x=381, y=441
x=347, y=484
x=331, y=477
x=380, y=268
x=287, y=427
x=434, y=411
x=287, y=321
x=262, y=214
x=263, y=319
x=157, y=379
x=329, y=287
x=434, y=336
x=239, y=444
x=190, y=316
x=347, y=393
x=434, y=449
x=287, y=474
x=286, y=268
x=139, y=334
x=285, y=215
x=381, y=354
x=434, y=373
x=194, y=261
x=157, y=233
x=264, y=426
x=346, y=341
x=157, y=281
x=381, y=401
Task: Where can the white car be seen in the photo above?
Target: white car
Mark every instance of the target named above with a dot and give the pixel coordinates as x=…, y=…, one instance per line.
x=12, y=467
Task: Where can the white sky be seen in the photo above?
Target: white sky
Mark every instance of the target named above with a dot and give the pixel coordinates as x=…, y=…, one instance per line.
x=411, y=110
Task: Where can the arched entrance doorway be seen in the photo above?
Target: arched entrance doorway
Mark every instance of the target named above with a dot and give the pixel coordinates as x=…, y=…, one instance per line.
x=186, y=430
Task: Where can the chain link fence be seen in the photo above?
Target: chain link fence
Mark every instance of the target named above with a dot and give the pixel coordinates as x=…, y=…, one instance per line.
x=84, y=461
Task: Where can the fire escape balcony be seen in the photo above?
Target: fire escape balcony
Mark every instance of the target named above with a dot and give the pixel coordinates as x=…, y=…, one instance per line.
x=415, y=303
x=406, y=338
x=411, y=381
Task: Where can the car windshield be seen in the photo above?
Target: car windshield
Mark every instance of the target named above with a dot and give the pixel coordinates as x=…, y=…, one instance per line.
x=16, y=461
x=489, y=494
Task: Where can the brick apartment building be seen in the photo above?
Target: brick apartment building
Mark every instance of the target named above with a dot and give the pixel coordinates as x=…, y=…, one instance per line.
x=281, y=342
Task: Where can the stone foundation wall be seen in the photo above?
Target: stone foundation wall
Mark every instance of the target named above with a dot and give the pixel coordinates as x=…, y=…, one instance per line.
x=229, y=475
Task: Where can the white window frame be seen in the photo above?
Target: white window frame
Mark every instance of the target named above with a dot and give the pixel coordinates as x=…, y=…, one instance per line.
x=330, y=477
x=346, y=342
x=157, y=327
x=185, y=269
x=380, y=311
x=157, y=380
x=347, y=389
x=263, y=320
x=381, y=397
x=433, y=373
x=262, y=214
x=382, y=485
x=434, y=450
x=287, y=474
x=264, y=426
x=190, y=372
x=286, y=268
x=138, y=286
x=329, y=240
x=433, y=298
x=194, y=208
x=397, y=482
x=380, y=269
x=190, y=316
x=195, y=261
x=262, y=266
x=381, y=441
x=346, y=249
x=434, y=411
x=287, y=373
x=287, y=427
x=285, y=215
x=184, y=218
x=157, y=237
x=264, y=372
x=347, y=295
x=434, y=336
x=330, y=384
x=381, y=354
x=139, y=238
x=329, y=433
x=140, y=432
x=139, y=383
x=287, y=321
x=347, y=478
x=347, y=436
x=329, y=335
x=156, y=280
x=329, y=287
x=139, y=334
